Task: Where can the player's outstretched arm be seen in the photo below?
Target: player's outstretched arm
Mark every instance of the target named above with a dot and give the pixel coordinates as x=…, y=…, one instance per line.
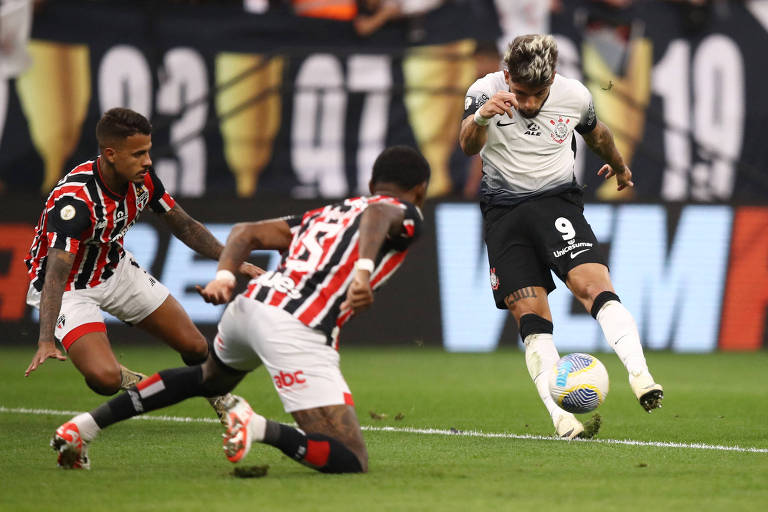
x=378, y=221
x=244, y=238
x=192, y=232
x=600, y=140
x=197, y=237
x=58, y=266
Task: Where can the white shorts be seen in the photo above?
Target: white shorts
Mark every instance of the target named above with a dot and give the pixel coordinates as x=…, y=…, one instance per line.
x=130, y=294
x=304, y=368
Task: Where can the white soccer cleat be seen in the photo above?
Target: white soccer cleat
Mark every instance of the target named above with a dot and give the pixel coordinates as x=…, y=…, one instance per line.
x=238, y=438
x=568, y=427
x=648, y=393
x=72, y=450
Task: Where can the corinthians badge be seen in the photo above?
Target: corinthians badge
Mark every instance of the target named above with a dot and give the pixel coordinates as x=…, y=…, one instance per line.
x=560, y=129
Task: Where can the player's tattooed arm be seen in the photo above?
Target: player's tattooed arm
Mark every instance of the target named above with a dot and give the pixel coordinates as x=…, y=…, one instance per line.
x=199, y=239
x=57, y=268
x=192, y=233
x=600, y=140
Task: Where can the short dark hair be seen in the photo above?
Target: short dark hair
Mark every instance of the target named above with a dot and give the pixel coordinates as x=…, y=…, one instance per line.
x=120, y=123
x=401, y=165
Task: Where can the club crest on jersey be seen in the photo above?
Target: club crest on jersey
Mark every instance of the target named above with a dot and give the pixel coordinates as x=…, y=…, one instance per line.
x=142, y=197
x=494, y=279
x=560, y=129
x=61, y=321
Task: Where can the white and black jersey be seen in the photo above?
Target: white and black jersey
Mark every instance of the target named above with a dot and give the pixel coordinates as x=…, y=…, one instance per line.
x=525, y=158
x=311, y=281
x=84, y=217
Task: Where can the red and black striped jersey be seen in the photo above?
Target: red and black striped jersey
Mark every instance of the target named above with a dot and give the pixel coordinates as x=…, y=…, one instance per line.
x=84, y=217
x=312, y=279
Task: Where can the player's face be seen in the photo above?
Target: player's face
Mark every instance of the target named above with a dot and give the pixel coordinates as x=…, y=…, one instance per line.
x=131, y=157
x=530, y=98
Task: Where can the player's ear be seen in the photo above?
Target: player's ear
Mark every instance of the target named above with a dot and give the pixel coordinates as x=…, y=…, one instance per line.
x=420, y=194
x=109, y=154
x=370, y=187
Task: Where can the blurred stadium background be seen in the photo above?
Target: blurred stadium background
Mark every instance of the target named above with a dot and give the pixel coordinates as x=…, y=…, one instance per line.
x=264, y=108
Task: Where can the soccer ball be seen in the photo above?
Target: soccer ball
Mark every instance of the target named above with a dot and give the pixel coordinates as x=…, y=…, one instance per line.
x=578, y=383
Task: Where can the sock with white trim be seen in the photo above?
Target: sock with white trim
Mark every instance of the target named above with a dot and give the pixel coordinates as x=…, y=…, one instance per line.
x=86, y=425
x=160, y=390
x=621, y=332
x=540, y=356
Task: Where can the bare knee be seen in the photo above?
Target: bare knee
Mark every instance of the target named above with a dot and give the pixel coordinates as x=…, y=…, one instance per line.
x=219, y=380
x=588, y=281
x=196, y=352
x=104, y=380
x=587, y=291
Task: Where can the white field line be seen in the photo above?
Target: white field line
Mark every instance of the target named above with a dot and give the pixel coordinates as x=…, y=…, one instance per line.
x=432, y=431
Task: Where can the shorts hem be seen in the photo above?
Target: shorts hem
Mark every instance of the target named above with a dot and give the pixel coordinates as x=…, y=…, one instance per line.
x=80, y=331
x=342, y=401
x=140, y=317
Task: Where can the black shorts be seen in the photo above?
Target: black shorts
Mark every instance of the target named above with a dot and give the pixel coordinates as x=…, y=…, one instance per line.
x=528, y=240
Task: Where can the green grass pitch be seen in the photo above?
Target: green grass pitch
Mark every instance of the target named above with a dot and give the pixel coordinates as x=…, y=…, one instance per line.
x=713, y=400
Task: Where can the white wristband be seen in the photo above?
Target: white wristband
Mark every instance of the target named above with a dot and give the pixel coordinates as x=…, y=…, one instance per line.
x=480, y=120
x=226, y=275
x=365, y=264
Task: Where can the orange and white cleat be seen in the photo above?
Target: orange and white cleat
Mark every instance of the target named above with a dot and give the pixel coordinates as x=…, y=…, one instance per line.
x=238, y=438
x=72, y=450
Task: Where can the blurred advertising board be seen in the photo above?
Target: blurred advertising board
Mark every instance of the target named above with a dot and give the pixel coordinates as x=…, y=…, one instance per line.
x=694, y=276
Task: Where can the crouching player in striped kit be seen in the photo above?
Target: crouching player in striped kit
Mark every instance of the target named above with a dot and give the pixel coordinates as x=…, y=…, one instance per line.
x=78, y=266
x=288, y=320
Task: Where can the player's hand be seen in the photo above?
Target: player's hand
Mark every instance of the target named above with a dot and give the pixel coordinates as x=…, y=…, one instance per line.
x=503, y=102
x=359, y=294
x=45, y=350
x=250, y=270
x=623, y=178
x=218, y=291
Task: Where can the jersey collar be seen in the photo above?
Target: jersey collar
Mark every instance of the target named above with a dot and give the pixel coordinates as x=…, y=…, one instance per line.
x=100, y=181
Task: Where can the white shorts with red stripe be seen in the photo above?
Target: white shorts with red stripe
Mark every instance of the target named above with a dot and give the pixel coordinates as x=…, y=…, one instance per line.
x=304, y=369
x=130, y=294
